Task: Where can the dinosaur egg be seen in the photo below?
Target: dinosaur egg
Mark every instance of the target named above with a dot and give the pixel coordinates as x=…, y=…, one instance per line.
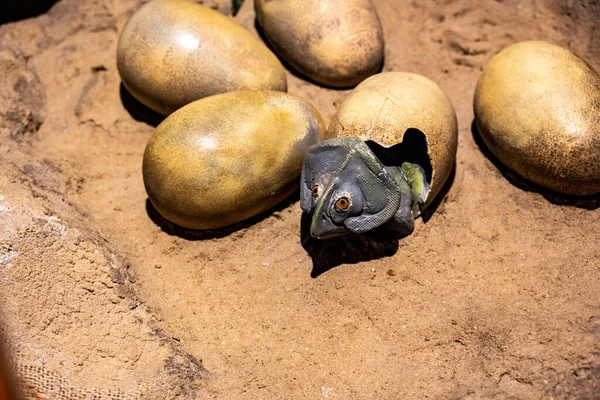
x=228, y=157
x=172, y=52
x=337, y=43
x=537, y=108
x=386, y=106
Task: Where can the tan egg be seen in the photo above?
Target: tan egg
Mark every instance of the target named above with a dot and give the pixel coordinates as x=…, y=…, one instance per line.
x=226, y=158
x=333, y=42
x=172, y=52
x=382, y=108
x=537, y=107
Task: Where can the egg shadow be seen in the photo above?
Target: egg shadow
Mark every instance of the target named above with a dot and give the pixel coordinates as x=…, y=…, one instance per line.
x=300, y=75
x=207, y=234
x=137, y=110
x=591, y=202
x=348, y=249
x=12, y=11
x=440, y=197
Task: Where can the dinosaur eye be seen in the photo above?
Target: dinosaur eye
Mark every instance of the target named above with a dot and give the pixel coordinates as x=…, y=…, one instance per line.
x=343, y=203
x=315, y=191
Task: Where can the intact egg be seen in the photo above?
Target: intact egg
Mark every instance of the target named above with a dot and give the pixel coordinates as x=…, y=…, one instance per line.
x=172, y=52
x=337, y=43
x=228, y=157
x=537, y=108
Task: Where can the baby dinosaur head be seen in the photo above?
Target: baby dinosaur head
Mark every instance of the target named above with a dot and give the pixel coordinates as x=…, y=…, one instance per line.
x=346, y=188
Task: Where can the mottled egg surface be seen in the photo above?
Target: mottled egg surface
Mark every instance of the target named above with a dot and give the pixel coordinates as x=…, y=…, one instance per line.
x=537, y=107
x=336, y=43
x=226, y=158
x=172, y=52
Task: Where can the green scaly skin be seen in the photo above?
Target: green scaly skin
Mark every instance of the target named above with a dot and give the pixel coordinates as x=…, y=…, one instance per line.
x=419, y=185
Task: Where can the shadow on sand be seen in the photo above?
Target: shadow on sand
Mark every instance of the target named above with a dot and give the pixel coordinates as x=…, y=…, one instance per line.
x=12, y=11
x=347, y=249
x=137, y=110
x=196, y=234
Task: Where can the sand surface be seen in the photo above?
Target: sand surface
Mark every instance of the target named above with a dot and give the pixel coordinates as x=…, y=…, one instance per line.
x=496, y=295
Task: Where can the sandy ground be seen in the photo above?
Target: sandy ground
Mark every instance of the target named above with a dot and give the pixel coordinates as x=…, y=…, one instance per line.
x=496, y=295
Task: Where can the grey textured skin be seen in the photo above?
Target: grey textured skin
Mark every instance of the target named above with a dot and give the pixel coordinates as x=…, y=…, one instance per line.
x=377, y=194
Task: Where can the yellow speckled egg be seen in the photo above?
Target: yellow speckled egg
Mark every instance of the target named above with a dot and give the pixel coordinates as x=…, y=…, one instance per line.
x=226, y=158
x=333, y=42
x=172, y=52
x=537, y=107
